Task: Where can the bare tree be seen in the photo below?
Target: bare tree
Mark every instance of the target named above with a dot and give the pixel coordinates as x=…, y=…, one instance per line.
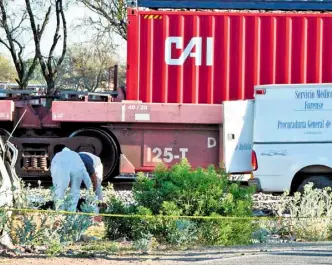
x=87, y=67
x=11, y=40
x=49, y=64
x=112, y=16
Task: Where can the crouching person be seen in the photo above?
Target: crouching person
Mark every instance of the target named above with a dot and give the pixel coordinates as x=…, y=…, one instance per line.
x=94, y=167
x=67, y=168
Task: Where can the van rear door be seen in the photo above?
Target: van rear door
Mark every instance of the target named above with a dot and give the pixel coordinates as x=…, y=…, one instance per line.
x=238, y=118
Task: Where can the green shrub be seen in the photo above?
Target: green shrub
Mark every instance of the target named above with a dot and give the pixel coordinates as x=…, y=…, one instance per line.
x=197, y=192
x=117, y=227
x=226, y=232
x=182, y=191
x=168, y=230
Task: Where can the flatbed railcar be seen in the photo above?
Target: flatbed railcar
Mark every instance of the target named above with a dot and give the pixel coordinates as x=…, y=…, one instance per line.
x=172, y=106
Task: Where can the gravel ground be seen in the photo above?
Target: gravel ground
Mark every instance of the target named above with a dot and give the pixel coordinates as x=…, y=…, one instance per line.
x=290, y=253
x=267, y=203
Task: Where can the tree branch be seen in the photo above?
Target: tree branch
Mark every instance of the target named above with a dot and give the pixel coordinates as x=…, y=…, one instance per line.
x=20, y=53
x=64, y=46
x=12, y=43
x=4, y=43
x=31, y=69
x=24, y=16
x=56, y=37
x=114, y=13
x=49, y=68
x=37, y=35
x=45, y=21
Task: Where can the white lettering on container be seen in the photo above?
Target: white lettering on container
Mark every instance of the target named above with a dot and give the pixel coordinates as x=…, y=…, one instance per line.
x=195, y=43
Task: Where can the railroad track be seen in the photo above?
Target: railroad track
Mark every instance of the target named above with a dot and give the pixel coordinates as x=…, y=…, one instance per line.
x=263, y=204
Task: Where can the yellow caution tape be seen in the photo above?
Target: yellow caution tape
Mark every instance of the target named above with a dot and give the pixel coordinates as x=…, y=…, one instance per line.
x=154, y=216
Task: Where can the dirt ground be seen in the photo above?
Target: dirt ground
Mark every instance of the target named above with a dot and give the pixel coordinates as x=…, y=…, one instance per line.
x=284, y=253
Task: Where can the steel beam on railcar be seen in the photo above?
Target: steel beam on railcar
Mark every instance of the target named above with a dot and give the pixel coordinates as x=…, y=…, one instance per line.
x=313, y=5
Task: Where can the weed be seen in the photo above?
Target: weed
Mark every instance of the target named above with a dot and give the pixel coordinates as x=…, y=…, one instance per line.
x=306, y=216
x=145, y=243
x=41, y=229
x=55, y=247
x=100, y=246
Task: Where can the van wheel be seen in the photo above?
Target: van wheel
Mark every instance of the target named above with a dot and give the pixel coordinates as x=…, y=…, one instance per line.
x=319, y=182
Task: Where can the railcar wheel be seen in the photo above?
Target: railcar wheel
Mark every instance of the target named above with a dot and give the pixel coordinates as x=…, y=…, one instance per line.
x=109, y=154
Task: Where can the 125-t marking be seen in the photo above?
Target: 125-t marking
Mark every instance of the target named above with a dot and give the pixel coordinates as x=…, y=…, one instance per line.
x=165, y=154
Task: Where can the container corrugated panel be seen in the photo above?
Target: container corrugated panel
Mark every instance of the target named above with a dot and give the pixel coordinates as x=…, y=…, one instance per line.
x=238, y=4
x=209, y=57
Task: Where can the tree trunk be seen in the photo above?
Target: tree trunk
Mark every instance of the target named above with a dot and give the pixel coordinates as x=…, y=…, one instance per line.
x=23, y=85
x=50, y=92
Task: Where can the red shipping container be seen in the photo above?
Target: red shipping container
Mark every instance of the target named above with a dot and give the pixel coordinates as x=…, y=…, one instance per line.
x=211, y=56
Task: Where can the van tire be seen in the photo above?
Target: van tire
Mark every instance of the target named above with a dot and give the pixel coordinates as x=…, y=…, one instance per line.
x=319, y=182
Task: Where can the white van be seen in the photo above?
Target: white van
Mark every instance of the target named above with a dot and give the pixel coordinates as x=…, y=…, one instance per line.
x=292, y=136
